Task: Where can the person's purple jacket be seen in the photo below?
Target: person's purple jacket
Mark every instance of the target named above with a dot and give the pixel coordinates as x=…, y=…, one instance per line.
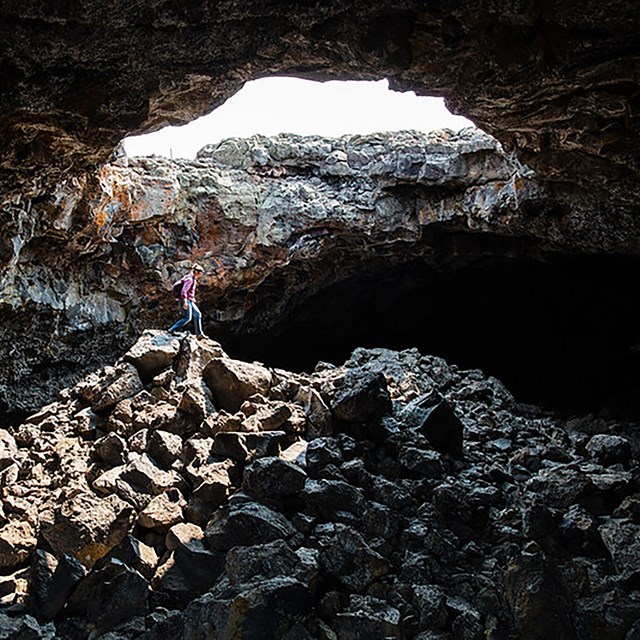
x=189, y=288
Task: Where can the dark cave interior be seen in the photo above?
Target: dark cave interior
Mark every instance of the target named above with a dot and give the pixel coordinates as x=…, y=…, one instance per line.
x=561, y=333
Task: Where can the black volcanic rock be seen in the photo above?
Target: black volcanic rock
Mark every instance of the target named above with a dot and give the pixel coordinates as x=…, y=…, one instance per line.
x=383, y=534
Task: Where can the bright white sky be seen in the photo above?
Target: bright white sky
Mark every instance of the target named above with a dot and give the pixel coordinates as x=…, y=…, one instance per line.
x=291, y=105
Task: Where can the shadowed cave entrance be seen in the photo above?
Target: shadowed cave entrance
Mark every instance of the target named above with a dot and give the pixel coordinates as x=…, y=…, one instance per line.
x=560, y=333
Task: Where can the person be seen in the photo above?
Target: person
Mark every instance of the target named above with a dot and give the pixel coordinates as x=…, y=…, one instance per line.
x=188, y=302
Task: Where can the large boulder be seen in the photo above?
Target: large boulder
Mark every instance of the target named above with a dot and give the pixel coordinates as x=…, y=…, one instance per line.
x=105, y=390
x=246, y=525
x=194, y=356
x=435, y=419
x=110, y=595
x=52, y=581
x=350, y=560
x=364, y=397
x=537, y=603
x=273, y=477
x=154, y=352
x=232, y=381
x=87, y=527
x=622, y=539
x=609, y=449
x=266, y=561
x=329, y=499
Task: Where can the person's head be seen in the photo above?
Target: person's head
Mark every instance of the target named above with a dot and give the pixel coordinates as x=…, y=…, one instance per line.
x=198, y=270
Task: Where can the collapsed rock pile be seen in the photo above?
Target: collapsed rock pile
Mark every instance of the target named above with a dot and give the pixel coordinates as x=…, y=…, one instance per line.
x=184, y=494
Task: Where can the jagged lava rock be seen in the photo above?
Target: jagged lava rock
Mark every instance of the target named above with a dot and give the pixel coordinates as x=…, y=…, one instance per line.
x=527, y=533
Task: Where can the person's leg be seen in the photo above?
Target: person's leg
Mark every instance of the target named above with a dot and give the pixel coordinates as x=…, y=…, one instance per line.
x=197, y=319
x=186, y=318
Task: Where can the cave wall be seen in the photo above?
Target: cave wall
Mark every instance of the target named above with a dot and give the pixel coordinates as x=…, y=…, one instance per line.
x=557, y=84
x=83, y=263
x=274, y=221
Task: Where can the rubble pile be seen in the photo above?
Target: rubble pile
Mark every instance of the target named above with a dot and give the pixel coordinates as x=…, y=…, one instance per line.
x=183, y=494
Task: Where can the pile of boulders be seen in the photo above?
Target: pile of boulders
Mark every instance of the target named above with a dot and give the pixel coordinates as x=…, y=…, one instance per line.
x=183, y=494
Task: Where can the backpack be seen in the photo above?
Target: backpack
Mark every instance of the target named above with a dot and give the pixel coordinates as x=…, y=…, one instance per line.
x=176, y=289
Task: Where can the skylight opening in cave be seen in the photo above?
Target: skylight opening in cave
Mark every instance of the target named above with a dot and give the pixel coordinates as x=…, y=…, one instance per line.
x=269, y=106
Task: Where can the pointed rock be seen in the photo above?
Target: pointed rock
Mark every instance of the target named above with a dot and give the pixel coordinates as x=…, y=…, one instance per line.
x=442, y=428
x=364, y=398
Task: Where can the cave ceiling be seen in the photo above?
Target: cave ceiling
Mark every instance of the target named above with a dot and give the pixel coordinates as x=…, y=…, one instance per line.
x=556, y=83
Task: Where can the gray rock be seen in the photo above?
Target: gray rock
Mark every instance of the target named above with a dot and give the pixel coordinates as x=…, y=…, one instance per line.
x=609, y=449
x=246, y=525
x=622, y=539
x=421, y=463
x=273, y=478
x=535, y=599
x=365, y=398
x=346, y=556
x=320, y=453
x=51, y=583
x=368, y=617
x=579, y=533
x=558, y=486
x=25, y=628
x=110, y=595
x=241, y=446
x=328, y=498
x=263, y=562
x=429, y=601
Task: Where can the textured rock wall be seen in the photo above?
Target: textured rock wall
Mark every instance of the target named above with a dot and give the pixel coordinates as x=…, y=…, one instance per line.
x=281, y=218
x=557, y=84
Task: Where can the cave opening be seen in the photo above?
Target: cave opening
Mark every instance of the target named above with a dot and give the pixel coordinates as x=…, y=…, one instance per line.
x=561, y=333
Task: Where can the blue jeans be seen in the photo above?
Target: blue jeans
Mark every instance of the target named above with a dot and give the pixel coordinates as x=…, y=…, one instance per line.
x=190, y=312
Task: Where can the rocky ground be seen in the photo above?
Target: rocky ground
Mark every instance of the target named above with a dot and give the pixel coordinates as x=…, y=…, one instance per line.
x=182, y=494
